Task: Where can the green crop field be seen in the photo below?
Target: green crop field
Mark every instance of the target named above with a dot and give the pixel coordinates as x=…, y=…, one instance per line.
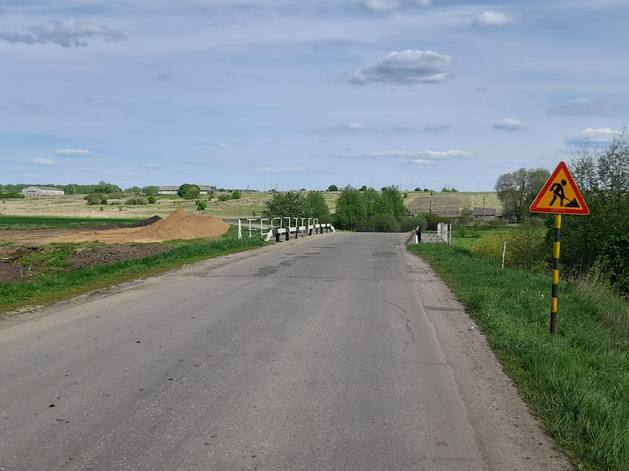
x=39, y=222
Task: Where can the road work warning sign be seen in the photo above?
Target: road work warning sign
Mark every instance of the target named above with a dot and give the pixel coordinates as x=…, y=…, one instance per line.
x=560, y=195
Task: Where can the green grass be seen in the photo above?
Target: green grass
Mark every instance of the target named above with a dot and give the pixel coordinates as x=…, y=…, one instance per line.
x=17, y=295
x=40, y=222
x=576, y=382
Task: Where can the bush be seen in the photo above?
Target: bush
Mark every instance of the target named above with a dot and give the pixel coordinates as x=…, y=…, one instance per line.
x=224, y=197
x=151, y=199
x=384, y=223
x=410, y=224
x=201, y=205
x=236, y=195
x=136, y=201
x=11, y=195
x=526, y=248
x=496, y=223
x=432, y=220
x=92, y=200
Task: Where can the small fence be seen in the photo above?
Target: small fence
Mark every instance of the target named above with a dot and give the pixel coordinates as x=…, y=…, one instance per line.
x=444, y=233
x=286, y=226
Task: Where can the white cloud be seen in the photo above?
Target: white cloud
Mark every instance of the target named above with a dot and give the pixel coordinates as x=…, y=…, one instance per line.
x=427, y=129
x=406, y=68
x=43, y=161
x=425, y=154
x=209, y=161
x=78, y=153
x=491, y=18
x=423, y=163
x=282, y=169
x=510, y=124
x=64, y=33
x=150, y=166
x=341, y=129
x=219, y=145
x=29, y=175
x=583, y=107
x=594, y=136
x=388, y=5
x=110, y=173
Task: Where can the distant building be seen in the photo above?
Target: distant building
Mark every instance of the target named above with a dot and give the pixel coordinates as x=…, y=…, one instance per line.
x=167, y=190
x=36, y=191
x=172, y=190
x=489, y=213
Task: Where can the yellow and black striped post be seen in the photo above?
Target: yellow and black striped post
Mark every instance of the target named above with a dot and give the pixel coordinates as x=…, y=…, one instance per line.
x=553, y=306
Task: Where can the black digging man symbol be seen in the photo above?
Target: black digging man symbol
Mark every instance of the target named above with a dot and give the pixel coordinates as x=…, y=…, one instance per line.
x=558, y=192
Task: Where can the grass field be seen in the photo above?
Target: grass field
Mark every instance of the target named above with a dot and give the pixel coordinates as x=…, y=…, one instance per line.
x=576, y=382
x=39, y=222
x=18, y=295
x=250, y=205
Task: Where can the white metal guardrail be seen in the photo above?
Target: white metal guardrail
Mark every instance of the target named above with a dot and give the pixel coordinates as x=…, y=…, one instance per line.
x=287, y=227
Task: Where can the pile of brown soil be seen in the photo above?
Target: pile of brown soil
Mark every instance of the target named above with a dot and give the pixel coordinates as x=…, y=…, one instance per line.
x=179, y=225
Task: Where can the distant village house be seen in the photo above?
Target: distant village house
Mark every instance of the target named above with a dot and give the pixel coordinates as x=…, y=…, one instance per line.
x=172, y=190
x=37, y=191
x=487, y=213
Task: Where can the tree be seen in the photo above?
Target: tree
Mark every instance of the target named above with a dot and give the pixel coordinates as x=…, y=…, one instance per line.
x=133, y=189
x=106, y=188
x=363, y=188
x=351, y=209
x=395, y=202
x=289, y=204
x=318, y=206
x=189, y=191
x=517, y=190
x=150, y=190
x=333, y=188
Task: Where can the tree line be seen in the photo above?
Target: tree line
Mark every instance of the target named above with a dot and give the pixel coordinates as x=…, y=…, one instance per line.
x=595, y=244
x=364, y=210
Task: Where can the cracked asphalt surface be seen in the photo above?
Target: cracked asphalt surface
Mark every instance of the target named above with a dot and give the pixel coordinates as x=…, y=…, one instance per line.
x=339, y=352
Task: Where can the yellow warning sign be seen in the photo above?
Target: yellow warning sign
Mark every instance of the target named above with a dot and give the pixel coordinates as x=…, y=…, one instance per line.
x=560, y=195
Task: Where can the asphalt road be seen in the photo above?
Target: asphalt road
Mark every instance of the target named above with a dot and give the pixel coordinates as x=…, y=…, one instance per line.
x=334, y=352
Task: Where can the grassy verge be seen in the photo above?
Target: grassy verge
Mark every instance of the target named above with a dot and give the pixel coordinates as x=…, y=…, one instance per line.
x=41, y=222
x=44, y=291
x=576, y=382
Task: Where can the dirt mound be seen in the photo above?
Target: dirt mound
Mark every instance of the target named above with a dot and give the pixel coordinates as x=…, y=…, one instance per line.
x=179, y=225
x=146, y=222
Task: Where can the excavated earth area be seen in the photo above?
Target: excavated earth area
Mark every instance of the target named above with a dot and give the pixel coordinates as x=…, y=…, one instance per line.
x=130, y=242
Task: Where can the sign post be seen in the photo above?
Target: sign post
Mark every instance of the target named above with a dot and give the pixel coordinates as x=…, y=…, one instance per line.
x=560, y=195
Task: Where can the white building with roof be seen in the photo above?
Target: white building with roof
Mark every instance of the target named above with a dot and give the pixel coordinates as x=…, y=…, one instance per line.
x=37, y=191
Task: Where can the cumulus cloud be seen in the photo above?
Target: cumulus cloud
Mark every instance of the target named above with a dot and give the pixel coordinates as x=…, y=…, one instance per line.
x=388, y=5
x=583, y=107
x=282, y=169
x=76, y=153
x=19, y=106
x=594, y=136
x=406, y=68
x=510, y=124
x=491, y=18
x=29, y=175
x=63, y=33
x=43, y=161
x=342, y=129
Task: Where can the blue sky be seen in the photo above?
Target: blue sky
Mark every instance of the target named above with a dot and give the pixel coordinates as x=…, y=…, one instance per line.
x=275, y=93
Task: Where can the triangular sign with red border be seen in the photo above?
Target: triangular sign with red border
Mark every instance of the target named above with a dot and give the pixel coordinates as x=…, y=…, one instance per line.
x=560, y=195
